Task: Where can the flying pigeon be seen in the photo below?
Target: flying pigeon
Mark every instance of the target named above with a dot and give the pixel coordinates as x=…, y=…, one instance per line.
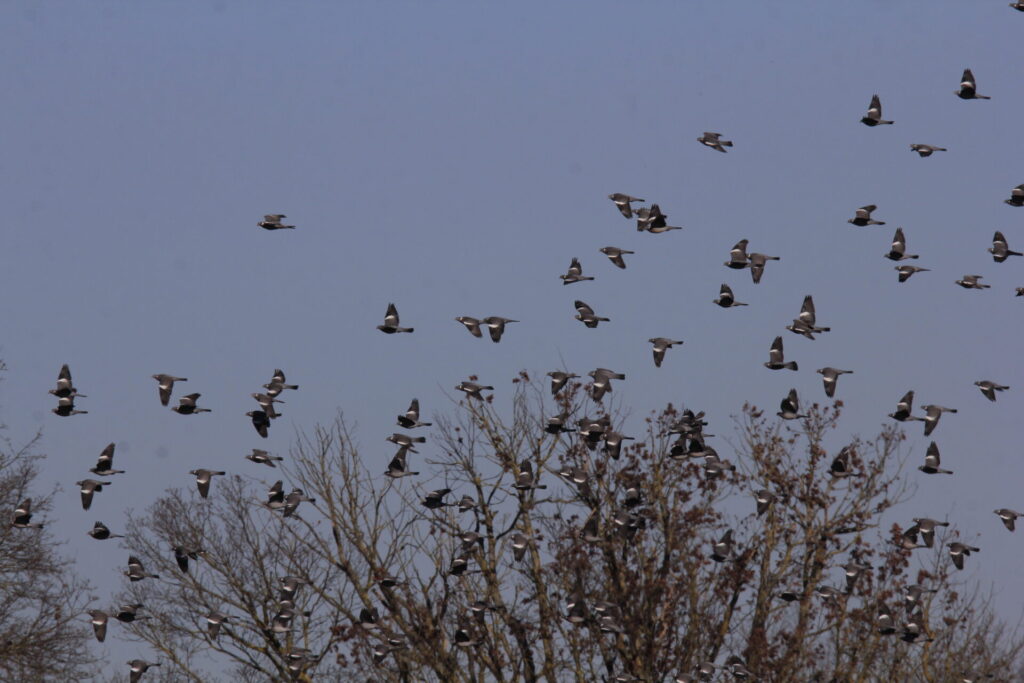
x=136, y=572
x=434, y=500
x=139, y=667
x=1000, y=250
x=863, y=216
x=66, y=407
x=622, y=202
x=575, y=273
x=496, y=326
x=1016, y=196
x=898, y=251
x=406, y=440
x=98, y=618
x=726, y=299
x=23, y=516
x=105, y=463
x=166, y=385
x=990, y=388
x=100, y=532
x=723, y=548
x=806, y=323
x=738, y=258
x=714, y=141
x=292, y=500
x=261, y=457
x=653, y=220
x=260, y=422
x=660, y=346
x=277, y=384
x=614, y=255
x=969, y=88
x=905, y=271
x=932, y=460
x=214, y=620
x=1009, y=517
x=789, y=408
x=830, y=376
x=776, y=359
x=272, y=221
x=931, y=419
x=398, y=467
x=411, y=419
x=472, y=324
x=757, y=262
x=874, y=115
x=473, y=389
x=127, y=614
x=187, y=405
x=65, y=388
x=203, y=478
x=391, y=324
x=586, y=315
x=520, y=543
x=525, y=480
x=926, y=527
x=904, y=408
x=764, y=499
x=559, y=379
x=182, y=555
x=840, y=466
x=87, y=488
x=957, y=551
x=926, y=150
x=602, y=382
x=971, y=282
x=275, y=496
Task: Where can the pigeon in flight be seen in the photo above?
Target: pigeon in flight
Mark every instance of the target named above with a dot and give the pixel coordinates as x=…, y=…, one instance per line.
x=292, y=500
x=278, y=384
x=863, y=216
x=1019, y=6
x=764, y=499
x=101, y=532
x=473, y=389
x=1000, y=250
x=23, y=516
x=926, y=527
x=926, y=150
x=757, y=263
x=622, y=202
x=261, y=457
x=971, y=282
x=1009, y=517
x=87, y=487
x=406, y=440
x=525, y=480
x=723, y=548
x=830, y=377
x=267, y=402
x=932, y=461
x=203, y=478
x=989, y=388
x=275, y=496
x=904, y=408
x=66, y=407
x=714, y=141
x=183, y=554
x=776, y=359
x=136, y=572
x=260, y=422
x=575, y=273
x=653, y=220
x=898, y=250
x=65, y=387
x=806, y=323
x=272, y=221
x=726, y=299
x=214, y=620
x=166, y=383
x=496, y=326
x=559, y=379
x=969, y=88
x=602, y=382
x=434, y=500
x=840, y=466
x=586, y=315
x=874, y=115
x=391, y=325
x=472, y=324
x=139, y=667
x=1016, y=196
x=932, y=415
x=905, y=271
x=957, y=551
x=411, y=419
x=187, y=405
x=660, y=345
x=105, y=463
x=98, y=618
x=789, y=408
x=614, y=255
x=398, y=467
x=738, y=258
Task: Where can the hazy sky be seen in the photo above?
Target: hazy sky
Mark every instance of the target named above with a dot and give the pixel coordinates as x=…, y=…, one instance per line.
x=452, y=158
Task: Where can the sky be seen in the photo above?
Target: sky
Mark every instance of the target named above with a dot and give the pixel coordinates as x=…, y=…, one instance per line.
x=452, y=158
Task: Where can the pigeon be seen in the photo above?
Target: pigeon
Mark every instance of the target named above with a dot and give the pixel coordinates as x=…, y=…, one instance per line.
x=65, y=387
x=1020, y=291
x=411, y=419
x=613, y=443
x=914, y=595
x=272, y=221
x=660, y=346
x=915, y=628
x=104, y=464
x=267, y=402
x=556, y=424
x=904, y=408
x=574, y=274
x=203, y=478
x=496, y=326
x=932, y=460
x=840, y=466
x=830, y=377
x=139, y=667
x=726, y=299
x=989, y=388
x=622, y=202
x=874, y=115
x=525, y=480
x=98, y=618
x=520, y=543
x=714, y=141
x=586, y=315
x=182, y=555
x=971, y=282
x=66, y=407
x=214, y=620
x=100, y=532
x=764, y=499
x=757, y=262
x=473, y=389
x=723, y=549
x=969, y=88
x=434, y=500
x=260, y=422
x=805, y=324
x=187, y=405
x=1009, y=517
x=789, y=408
x=653, y=220
x=282, y=621
x=261, y=457
x=957, y=551
x=87, y=488
x=1016, y=196
x=472, y=324
x=931, y=419
x=275, y=496
x=614, y=255
x=828, y=594
x=23, y=516
x=277, y=384
x=906, y=271
x=898, y=251
x=292, y=500
x=884, y=623
x=908, y=539
x=391, y=325
x=136, y=572
x=166, y=385
x=398, y=467
x=738, y=258
x=776, y=359
x=559, y=379
x=127, y=614
x=406, y=440
x=1000, y=250
x=926, y=527
x=1019, y=6
x=602, y=382
x=863, y=216
x=926, y=150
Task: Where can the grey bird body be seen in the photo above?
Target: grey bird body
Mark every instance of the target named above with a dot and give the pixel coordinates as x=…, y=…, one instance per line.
x=776, y=357
x=139, y=667
x=136, y=572
x=98, y=618
x=574, y=274
x=586, y=315
x=863, y=216
x=1016, y=196
x=496, y=326
x=898, y=250
x=398, y=467
x=391, y=322
x=1008, y=517
x=23, y=516
x=105, y=463
x=277, y=384
x=738, y=258
x=714, y=141
x=757, y=263
x=653, y=220
x=957, y=551
x=472, y=324
x=932, y=415
x=87, y=487
x=933, y=461
x=66, y=407
x=806, y=324
x=989, y=388
x=615, y=254
x=260, y=422
x=905, y=271
x=904, y=408
x=789, y=408
x=969, y=88
x=187, y=405
x=926, y=150
x=725, y=297
x=272, y=221
x=411, y=418
x=622, y=203
x=203, y=478
x=65, y=387
x=764, y=499
x=830, y=377
x=661, y=344
x=261, y=457
x=926, y=527
x=874, y=115
x=166, y=386
x=559, y=379
x=100, y=532
x=971, y=282
x=1000, y=250
x=292, y=501
x=602, y=382
x=473, y=389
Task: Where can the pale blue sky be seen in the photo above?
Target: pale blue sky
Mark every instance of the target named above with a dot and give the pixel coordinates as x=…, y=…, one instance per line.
x=452, y=158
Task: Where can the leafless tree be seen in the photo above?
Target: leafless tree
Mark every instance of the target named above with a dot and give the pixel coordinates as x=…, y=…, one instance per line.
x=575, y=559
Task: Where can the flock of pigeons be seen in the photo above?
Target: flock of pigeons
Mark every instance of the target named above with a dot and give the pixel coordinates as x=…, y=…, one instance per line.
x=648, y=219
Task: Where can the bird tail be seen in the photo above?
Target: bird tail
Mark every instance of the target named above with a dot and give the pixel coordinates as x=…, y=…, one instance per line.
x=791, y=365
x=203, y=410
x=982, y=97
x=725, y=143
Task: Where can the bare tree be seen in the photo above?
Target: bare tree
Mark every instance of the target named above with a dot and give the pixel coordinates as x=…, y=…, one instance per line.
x=528, y=552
